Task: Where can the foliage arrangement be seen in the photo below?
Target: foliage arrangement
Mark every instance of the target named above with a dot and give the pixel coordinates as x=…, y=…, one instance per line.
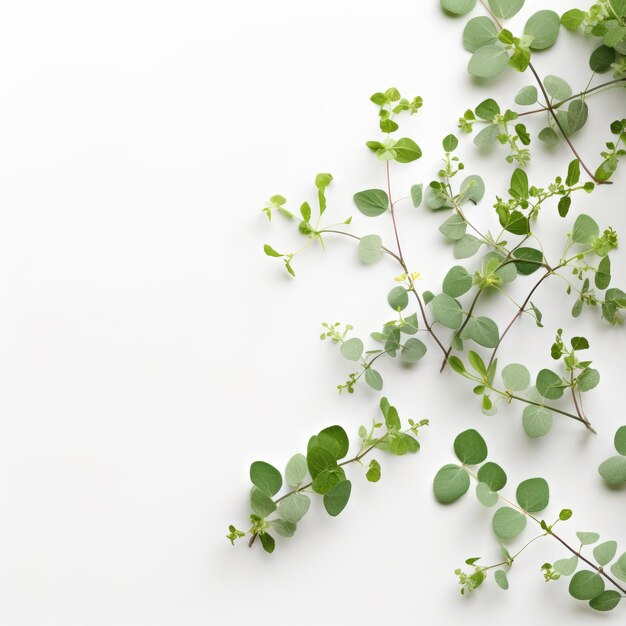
x=321, y=471
x=450, y=318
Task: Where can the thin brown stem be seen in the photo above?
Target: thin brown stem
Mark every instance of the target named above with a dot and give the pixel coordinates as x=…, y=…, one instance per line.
x=393, y=213
x=599, y=570
x=461, y=328
x=581, y=94
x=560, y=127
x=343, y=232
x=519, y=313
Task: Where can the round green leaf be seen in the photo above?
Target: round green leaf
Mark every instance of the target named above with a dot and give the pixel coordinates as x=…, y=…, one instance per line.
x=557, y=87
x=620, y=440
x=479, y=32
x=488, y=62
x=373, y=379
x=413, y=351
x=508, y=523
x=586, y=585
x=398, y=298
x=406, y=150
x=585, y=230
x=549, y=136
x=537, y=421
x=516, y=377
x=613, y=470
x=472, y=188
x=450, y=483
x=501, y=579
x=268, y=542
x=533, y=495
x=588, y=379
x=458, y=7
x=447, y=311
x=606, y=601
x=527, y=95
x=293, y=508
x=372, y=202
x=457, y=282
x=604, y=552
x=549, y=384
x=283, y=528
x=318, y=459
x=544, y=27
x=618, y=569
x=587, y=539
x=601, y=59
x=370, y=248
x=466, y=246
x=352, y=349
x=485, y=496
x=336, y=499
x=327, y=479
x=266, y=477
x=484, y=331
x=532, y=255
x=454, y=227
x=334, y=440
x=487, y=136
x=450, y=143
x=492, y=475
x=261, y=503
x=470, y=448
x=566, y=567
x=296, y=470
x=504, y=9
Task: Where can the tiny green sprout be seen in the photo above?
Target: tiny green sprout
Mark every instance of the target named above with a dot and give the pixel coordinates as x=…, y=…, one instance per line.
x=471, y=581
x=549, y=573
x=234, y=534
x=565, y=514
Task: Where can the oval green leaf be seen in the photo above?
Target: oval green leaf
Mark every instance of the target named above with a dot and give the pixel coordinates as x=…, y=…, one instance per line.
x=450, y=483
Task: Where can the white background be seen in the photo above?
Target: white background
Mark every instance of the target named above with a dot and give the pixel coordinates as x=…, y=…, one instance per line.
x=150, y=351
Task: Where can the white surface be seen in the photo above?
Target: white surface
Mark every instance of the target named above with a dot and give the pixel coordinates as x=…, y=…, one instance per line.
x=150, y=352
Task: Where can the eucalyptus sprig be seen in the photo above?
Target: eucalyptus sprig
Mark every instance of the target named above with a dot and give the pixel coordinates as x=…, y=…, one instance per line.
x=320, y=471
x=509, y=521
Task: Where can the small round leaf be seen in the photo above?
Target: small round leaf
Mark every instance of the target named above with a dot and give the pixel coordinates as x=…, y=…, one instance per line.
x=533, y=494
x=450, y=483
x=266, y=477
x=336, y=499
x=492, y=475
x=470, y=448
x=508, y=523
x=586, y=585
x=352, y=349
